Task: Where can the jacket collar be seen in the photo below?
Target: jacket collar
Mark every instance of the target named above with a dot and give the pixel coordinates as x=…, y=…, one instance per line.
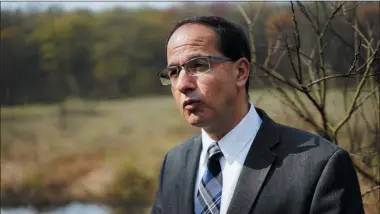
x=255, y=169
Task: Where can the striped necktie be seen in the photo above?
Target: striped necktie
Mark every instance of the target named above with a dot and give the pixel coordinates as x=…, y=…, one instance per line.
x=209, y=192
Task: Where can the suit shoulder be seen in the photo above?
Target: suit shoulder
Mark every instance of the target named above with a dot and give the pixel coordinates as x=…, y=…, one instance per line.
x=184, y=146
x=300, y=141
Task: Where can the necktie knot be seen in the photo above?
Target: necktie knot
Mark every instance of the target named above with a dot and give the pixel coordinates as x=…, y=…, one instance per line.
x=214, y=152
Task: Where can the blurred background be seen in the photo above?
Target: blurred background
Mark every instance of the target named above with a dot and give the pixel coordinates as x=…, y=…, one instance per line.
x=85, y=122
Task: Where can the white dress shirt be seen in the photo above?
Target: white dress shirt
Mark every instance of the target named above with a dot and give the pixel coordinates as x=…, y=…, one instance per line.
x=235, y=146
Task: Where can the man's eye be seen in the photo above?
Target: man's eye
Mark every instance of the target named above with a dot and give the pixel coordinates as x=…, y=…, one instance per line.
x=172, y=72
x=198, y=65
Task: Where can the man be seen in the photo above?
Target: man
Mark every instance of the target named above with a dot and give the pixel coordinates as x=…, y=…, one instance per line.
x=242, y=162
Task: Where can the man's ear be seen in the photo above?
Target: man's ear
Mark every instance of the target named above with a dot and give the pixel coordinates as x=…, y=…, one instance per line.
x=243, y=68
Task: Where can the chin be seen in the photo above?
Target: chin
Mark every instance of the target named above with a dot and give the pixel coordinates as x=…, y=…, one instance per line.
x=195, y=120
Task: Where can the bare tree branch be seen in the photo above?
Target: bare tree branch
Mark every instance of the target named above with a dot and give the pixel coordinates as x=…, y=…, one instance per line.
x=291, y=104
x=258, y=13
x=251, y=27
x=279, y=60
x=331, y=18
x=340, y=75
x=363, y=169
x=348, y=10
x=355, y=27
x=353, y=65
x=356, y=96
x=311, y=75
x=371, y=190
x=308, y=116
x=370, y=58
x=345, y=42
x=247, y=20
x=368, y=124
x=280, y=78
x=271, y=51
x=349, y=73
x=288, y=101
x=364, y=99
x=303, y=10
x=291, y=60
x=298, y=44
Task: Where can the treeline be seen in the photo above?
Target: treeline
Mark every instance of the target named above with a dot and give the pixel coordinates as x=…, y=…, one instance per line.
x=51, y=55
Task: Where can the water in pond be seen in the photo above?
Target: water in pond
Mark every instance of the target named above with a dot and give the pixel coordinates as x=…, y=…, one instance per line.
x=74, y=208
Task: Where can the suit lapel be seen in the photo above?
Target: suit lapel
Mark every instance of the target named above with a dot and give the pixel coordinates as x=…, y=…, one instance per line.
x=256, y=167
x=189, y=174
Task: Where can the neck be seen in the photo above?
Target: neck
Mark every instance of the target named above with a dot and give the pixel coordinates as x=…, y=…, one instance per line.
x=229, y=121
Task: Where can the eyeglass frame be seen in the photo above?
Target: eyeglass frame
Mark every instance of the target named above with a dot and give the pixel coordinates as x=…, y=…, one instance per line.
x=182, y=67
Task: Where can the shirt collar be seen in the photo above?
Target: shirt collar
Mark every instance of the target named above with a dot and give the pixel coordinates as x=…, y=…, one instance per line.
x=238, y=138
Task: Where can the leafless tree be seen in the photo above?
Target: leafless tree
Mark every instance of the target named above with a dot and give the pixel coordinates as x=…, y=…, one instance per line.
x=313, y=77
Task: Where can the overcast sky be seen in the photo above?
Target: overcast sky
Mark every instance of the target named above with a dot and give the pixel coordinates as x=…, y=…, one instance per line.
x=99, y=5
x=85, y=4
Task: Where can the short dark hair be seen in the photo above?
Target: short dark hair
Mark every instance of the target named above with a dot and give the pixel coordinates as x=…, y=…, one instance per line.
x=232, y=41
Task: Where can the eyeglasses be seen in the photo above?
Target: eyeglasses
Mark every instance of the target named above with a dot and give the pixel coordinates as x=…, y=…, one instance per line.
x=195, y=67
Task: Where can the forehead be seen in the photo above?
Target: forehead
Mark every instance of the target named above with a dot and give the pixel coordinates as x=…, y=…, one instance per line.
x=190, y=40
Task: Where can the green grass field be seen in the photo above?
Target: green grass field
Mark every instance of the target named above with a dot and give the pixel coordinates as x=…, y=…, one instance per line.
x=105, y=138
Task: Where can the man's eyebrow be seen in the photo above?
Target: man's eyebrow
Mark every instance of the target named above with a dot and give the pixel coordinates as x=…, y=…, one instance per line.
x=189, y=58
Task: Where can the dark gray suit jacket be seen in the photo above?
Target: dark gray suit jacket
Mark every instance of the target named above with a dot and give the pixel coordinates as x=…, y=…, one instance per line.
x=287, y=170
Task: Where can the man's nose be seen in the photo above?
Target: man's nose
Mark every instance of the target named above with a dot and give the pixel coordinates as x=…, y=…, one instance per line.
x=185, y=82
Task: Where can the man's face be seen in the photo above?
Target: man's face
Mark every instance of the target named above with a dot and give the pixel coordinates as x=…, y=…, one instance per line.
x=203, y=99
